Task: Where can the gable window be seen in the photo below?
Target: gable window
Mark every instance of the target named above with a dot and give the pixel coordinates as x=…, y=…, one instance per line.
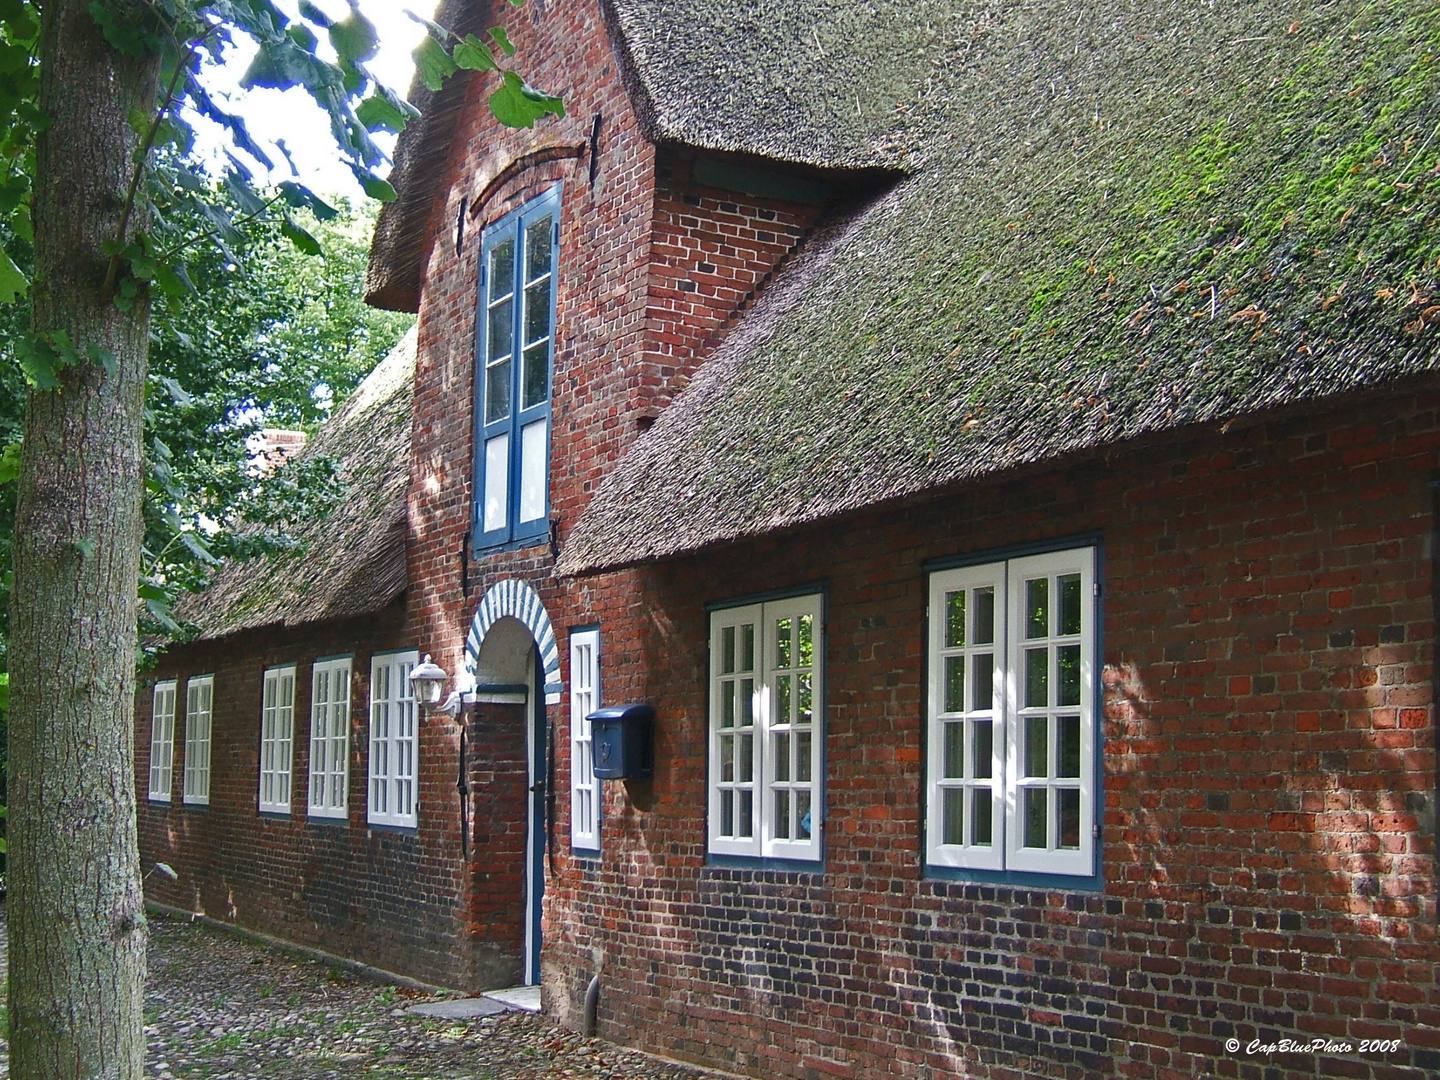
x=329, y=737
x=277, y=733
x=393, y=740
x=1013, y=730
x=584, y=699
x=162, y=741
x=515, y=344
x=199, y=705
x=766, y=729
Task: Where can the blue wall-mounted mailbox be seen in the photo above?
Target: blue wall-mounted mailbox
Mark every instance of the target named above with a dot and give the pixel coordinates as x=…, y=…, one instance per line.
x=623, y=741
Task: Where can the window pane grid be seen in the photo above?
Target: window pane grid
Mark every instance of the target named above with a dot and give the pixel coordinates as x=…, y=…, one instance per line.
x=736, y=733
x=967, y=782
x=199, y=707
x=765, y=730
x=162, y=741
x=330, y=738
x=516, y=346
x=277, y=725
x=394, y=741
x=1049, y=779
x=1011, y=743
x=584, y=699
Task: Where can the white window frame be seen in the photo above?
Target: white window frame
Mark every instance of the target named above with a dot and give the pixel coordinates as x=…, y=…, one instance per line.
x=330, y=739
x=585, y=790
x=162, y=741
x=1007, y=714
x=277, y=738
x=199, y=730
x=780, y=774
x=394, y=776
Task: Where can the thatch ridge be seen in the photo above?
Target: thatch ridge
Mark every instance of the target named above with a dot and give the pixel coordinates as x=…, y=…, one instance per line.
x=1124, y=219
x=353, y=561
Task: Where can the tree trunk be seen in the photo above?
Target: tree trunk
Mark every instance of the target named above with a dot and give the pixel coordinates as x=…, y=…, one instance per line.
x=77, y=928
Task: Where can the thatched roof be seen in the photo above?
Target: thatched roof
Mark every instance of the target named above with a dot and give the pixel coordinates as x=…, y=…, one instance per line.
x=353, y=561
x=1124, y=218
x=810, y=82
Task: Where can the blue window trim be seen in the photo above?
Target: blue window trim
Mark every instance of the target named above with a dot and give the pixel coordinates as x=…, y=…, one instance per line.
x=1093, y=882
x=513, y=226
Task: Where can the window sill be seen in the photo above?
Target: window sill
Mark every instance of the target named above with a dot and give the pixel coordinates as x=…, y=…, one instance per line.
x=1020, y=879
x=760, y=862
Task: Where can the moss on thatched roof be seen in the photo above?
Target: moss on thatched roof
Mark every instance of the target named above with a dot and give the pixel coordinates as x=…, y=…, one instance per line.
x=1124, y=218
x=353, y=561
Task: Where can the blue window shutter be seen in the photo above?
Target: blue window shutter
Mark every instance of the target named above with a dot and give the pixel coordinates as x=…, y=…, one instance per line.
x=515, y=312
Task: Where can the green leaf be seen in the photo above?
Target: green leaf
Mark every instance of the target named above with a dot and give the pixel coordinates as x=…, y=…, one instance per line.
x=9, y=462
x=298, y=236
x=299, y=197
x=13, y=283
x=173, y=280
x=314, y=14
x=472, y=54
x=502, y=39
x=37, y=362
x=354, y=39
x=303, y=36
x=4, y=690
x=377, y=188
x=518, y=105
x=86, y=548
x=433, y=63
x=103, y=358
x=377, y=114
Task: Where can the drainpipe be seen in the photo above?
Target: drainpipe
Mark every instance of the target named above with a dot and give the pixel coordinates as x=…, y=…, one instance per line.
x=592, y=1005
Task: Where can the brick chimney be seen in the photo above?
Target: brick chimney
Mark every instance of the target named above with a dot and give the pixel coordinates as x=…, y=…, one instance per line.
x=272, y=447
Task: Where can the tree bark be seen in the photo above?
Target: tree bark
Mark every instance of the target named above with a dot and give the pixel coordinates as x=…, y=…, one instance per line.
x=77, y=927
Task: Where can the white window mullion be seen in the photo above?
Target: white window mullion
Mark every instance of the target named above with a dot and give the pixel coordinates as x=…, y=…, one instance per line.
x=965, y=818
x=585, y=791
x=199, y=711
x=767, y=729
x=394, y=741
x=1051, y=754
x=329, y=738
x=736, y=710
x=792, y=683
x=277, y=728
x=162, y=741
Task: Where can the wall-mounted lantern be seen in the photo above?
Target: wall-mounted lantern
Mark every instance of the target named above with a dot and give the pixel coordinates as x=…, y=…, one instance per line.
x=623, y=741
x=428, y=681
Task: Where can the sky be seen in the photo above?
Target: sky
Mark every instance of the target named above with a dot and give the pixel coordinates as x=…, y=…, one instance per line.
x=291, y=115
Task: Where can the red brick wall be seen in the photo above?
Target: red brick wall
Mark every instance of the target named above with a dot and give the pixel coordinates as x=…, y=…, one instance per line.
x=389, y=897
x=1268, y=852
x=713, y=251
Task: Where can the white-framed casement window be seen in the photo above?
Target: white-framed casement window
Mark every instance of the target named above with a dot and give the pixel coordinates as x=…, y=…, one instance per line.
x=329, y=737
x=277, y=739
x=1012, y=722
x=199, y=707
x=394, y=743
x=767, y=729
x=162, y=741
x=584, y=699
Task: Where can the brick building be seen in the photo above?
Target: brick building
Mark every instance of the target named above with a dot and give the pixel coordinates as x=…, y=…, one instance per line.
x=997, y=441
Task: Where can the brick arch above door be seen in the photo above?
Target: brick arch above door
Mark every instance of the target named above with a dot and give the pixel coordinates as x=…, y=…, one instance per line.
x=515, y=599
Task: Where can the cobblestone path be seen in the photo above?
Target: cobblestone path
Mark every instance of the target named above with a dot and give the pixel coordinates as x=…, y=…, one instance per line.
x=220, y=1007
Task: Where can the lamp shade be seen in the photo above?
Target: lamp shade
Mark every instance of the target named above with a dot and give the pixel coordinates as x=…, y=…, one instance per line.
x=428, y=680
